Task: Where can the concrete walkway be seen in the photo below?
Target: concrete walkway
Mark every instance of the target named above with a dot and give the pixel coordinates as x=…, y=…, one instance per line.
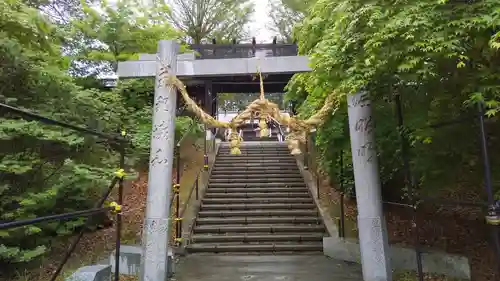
x=202, y=267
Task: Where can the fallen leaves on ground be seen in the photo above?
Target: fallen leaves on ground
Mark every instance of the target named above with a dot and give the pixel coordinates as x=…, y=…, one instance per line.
x=454, y=230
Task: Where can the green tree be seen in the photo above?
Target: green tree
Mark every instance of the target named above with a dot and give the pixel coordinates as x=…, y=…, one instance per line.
x=120, y=32
x=223, y=20
x=58, y=11
x=438, y=55
x=45, y=169
x=285, y=14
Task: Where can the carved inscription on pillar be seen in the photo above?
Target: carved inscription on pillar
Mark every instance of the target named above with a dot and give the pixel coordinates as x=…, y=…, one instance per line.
x=155, y=230
x=363, y=125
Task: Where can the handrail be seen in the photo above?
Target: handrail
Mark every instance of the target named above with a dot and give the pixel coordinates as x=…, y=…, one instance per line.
x=175, y=199
x=73, y=245
x=194, y=186
x=279, y=126
x=276, y=121
x=49, y=121
x=177, y=156
x=179, y=214
x=64, y=216
x=177, y=184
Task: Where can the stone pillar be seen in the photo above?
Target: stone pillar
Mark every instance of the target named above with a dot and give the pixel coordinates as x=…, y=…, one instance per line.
x=373, y=240
x=156, y=224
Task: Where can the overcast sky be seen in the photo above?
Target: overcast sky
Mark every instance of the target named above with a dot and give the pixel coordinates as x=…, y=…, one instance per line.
x=261, y=21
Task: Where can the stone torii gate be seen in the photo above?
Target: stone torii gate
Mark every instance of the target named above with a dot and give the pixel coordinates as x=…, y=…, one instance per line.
x=373, y=239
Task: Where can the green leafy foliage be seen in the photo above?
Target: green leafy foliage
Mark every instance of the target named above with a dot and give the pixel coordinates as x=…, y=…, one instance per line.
x=439, y=56
x=285, y=14
x=45, y=169
x=121, y=31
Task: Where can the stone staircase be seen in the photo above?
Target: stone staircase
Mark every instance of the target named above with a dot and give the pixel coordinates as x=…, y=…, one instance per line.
x=257, y=202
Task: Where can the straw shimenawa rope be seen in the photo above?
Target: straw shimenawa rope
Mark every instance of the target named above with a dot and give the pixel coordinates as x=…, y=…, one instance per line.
x=299, y=128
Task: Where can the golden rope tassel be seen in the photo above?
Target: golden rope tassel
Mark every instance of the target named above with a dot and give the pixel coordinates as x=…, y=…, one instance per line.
x=294, y=147
x=235, y=141
x=293, y=143
x=264, y=131
x=300, y=128
x=261, y=83
x=193, y=107
x=333, y=100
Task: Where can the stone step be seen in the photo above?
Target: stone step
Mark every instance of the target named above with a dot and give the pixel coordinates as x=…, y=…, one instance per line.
x=258, y=228
x=259, y=149
x=248, y=238
x=259, y=220
x=252, y=132
x=255, y=171
x=245, y=194
x=261, y=172
x=253, y=138
x=266, y=144
x=260, y=213
x=208, y=201
x=256, y=153
x=233, y=177
x=261, y=247
x=256, y=159
x=231, y=190
x=257, y=168
x=253, y=165
x=264, y=179
x=255, y=131
x=286, y=162
x=256, y=184
x=255, y=149
x=256, y=206
x=251, y=128
x=239, y=157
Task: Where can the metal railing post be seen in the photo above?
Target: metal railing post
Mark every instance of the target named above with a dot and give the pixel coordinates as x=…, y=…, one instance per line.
x=306, y=153
x=177, y=188
x=205, y=156
x=72, y=247
x=119, y=217
x=317, y=185
x=493, y=207
x=197, y=186
x=342, y=193
x=410, y=184
x=213, y=147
